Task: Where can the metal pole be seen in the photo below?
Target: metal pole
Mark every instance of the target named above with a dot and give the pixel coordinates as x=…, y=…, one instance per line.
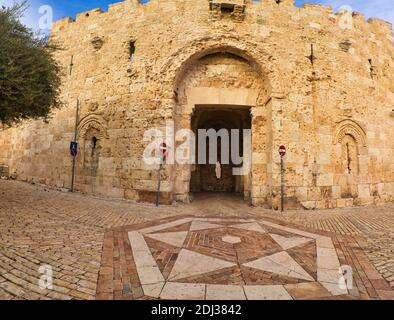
x=282, y=185
x=158, y=185
x=75, y=140
x=71, y=65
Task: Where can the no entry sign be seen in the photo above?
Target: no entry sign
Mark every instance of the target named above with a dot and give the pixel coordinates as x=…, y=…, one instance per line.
x=163, y=150
x=282, y=151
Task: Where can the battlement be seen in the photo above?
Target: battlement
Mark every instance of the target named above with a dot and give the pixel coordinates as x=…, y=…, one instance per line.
x=135, y=8
x=316, y=9
x=87, y=14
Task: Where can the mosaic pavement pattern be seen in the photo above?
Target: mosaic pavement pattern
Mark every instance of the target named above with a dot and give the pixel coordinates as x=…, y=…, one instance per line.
x=86, y=241
x=229, y=259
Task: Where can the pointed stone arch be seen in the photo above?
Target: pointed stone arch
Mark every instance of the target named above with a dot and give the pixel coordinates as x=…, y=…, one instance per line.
x=353, y=143
x=180, y=60
x=351, y=128
x=92, y=121
x=257, y=98
x=91, y=134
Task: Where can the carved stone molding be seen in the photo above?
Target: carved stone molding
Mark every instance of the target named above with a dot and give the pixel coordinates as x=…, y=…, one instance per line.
x=93, y=121
x=93, y=106
x=352, y=128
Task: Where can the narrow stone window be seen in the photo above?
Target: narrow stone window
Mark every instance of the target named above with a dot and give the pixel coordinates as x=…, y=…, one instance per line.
x=372, y=69
x=91, y=153
x=227, y=8
x=350, y=155
x=233, y=8
x=349, y=159
x=132, y=50
x=94, y=145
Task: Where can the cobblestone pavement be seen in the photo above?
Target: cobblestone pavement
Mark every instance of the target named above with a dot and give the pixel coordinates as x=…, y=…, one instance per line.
x=40, y=226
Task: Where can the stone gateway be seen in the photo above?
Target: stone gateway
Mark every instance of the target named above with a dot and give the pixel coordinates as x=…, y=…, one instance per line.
x=320, y=83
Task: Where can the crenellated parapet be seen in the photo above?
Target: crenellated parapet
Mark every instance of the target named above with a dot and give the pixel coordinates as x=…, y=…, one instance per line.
x=237, y=9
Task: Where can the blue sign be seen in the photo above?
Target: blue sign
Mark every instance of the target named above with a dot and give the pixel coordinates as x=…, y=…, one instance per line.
x=74, y=148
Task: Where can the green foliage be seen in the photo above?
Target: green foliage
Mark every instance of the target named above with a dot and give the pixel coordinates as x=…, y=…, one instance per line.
x=29, y=74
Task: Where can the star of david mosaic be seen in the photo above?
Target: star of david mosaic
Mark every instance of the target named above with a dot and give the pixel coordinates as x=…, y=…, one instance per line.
x=213, y=258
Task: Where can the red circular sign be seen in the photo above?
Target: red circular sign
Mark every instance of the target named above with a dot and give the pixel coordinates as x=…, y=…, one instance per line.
x=163, y=150
x=282, y=151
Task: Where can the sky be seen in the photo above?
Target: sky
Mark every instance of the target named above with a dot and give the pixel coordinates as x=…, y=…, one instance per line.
x=383, y=9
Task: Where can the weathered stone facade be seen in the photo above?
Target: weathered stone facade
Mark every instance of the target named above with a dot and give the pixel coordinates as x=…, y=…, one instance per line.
x=138, y=66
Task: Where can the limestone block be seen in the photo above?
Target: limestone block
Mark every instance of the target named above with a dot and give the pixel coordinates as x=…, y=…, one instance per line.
x=309, y=205
x=325, y=179
x=259, y=158
x=131, y=194
x=336, y=192
x=314, y=193
x=341, y=203
x=301, y=193
x=364, y=191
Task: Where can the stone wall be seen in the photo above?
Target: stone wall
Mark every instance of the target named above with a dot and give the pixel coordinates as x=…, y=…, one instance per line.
x=131, y=64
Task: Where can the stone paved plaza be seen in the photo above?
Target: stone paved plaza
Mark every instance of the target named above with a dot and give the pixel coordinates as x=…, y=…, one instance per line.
x=215, y=248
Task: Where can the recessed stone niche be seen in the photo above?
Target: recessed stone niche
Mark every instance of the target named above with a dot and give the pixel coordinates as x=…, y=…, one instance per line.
x=97, y=43
x=234, y=8
x=345, y=45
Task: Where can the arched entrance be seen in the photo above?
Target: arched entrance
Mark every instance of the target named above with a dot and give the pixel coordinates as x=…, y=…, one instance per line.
x=223, y=90
x=229, y=121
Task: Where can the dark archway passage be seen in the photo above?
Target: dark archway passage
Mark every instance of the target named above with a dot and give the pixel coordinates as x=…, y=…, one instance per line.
x=219, y=177
x=221, y=89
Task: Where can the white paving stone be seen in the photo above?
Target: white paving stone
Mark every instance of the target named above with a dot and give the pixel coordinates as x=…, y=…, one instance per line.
x=202, y=225
x=280, y=263
x=144, y=259
x=225, y=292
x=137, y=241
x=324, y=242
x=183, y=291
x=175, y=239
x=334, y=288
x=328, y=275
x=288, y=243
x=191, y=263
x=274, y=292
x=327, y=258
x=150, y=275
x=147, y=269
x=153, y=290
